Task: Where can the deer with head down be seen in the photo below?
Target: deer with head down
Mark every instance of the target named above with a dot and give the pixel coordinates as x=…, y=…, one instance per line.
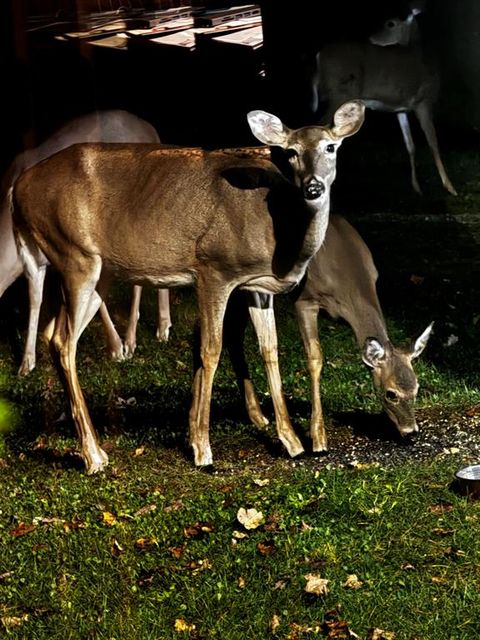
x=391, y=72
x=113, y=126
x=341, y=280
x=179, y=217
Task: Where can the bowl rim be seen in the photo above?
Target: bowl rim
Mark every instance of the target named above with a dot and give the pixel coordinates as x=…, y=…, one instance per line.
x=462, y=474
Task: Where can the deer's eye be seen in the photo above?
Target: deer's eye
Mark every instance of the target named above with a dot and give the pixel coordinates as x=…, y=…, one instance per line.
x=391, y=395
x=292, y=154
x=390, y=24
x=330, y=148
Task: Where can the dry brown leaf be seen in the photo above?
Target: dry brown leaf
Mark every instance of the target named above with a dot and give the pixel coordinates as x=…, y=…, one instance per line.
x=440, y=508
x=149, y=508
x=439, y=580
x=22, y=529
x=196, y=566
x=143, y=544
x=380, y=634
x=250, y=518
x=352, y=582
x=177, y=552
x=316, y=585
x=337, y=629
x=417, y=280
x=198, y=530
x=266, y=548
x=440, y=531
x=406, y=566
x=281, y=584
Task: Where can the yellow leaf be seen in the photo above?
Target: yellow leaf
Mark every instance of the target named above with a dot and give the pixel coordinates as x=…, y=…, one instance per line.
x=274, y=622
x=352, y=582
x=183, y=626
x=109, y=519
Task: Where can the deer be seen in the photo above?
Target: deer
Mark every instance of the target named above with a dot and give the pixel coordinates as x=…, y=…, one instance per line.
x=102, y=126
x=340, y=280
x=173, y=217
x=391, y=72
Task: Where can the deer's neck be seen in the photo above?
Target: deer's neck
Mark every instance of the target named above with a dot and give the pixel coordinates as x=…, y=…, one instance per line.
x=367, y=321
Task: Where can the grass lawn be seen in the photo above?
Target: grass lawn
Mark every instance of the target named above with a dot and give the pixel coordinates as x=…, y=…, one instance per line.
x=153, y=549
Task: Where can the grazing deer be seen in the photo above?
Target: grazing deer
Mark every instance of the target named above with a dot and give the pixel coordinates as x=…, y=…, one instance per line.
x=392, y=72
x=102, y=126
x=179, y=217
x=340, y=280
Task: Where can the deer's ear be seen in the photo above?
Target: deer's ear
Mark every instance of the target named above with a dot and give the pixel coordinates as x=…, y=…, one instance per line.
x=268, y=128
x=421, y=341
x=373, y=353
x=348, y=119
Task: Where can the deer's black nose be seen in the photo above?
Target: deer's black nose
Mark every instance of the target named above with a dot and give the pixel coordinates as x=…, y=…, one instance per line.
x=313, y=189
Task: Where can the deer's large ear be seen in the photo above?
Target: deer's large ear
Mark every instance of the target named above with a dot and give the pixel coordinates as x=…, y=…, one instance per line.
x=373, y=353
x=421, y=342
x=268, y=128
x=348, y=119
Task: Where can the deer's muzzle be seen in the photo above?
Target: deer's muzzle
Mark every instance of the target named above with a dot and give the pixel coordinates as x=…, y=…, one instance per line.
x=313, y=189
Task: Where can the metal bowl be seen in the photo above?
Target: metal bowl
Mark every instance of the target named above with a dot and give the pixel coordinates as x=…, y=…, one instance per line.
x=468, y=480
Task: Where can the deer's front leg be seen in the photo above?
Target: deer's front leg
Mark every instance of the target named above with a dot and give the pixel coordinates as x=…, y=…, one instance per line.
x=212, y=301
x=36, y=279
x=263, y=319
x=307, y=313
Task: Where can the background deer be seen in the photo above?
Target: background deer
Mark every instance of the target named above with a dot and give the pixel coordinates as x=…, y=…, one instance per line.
x=341, y=280
x=179, y=217
x=392, y=72
x=102, y=126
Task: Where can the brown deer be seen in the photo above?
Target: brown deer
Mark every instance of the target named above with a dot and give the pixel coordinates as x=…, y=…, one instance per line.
x=101, y=126
x=392, y=72
x=341, y=280
x=178, y=217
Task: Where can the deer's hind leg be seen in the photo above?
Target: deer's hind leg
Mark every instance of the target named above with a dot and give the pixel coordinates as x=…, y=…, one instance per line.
x=81, y=302
x=213, y=296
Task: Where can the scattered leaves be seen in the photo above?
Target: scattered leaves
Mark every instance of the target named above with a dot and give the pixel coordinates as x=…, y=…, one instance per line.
x=440, y=508
x=177, y=552
x=316, y=585
x=108, y=519
x=250, y=518
x=274, y=623
x=149, y=508
x=10, y=622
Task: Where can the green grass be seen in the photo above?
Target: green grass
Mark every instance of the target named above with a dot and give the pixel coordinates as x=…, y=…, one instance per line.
x=118, y=556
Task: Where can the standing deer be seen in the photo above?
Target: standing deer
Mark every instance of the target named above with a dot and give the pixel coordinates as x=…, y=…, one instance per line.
x=392, y=72
x=340, y=280
x=179, y=217
x=102, y=126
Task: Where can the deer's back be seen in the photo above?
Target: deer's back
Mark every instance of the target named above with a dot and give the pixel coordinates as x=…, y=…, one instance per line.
x=143, y=203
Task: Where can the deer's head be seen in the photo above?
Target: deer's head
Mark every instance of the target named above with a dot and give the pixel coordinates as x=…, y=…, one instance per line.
x=311, y=151
x=395, y=379
x=403, y=32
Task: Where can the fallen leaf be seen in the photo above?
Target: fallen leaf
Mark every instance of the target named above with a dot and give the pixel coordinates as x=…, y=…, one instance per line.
x=406, y=566
x=416, y=280
x=183, y=626
x=241, y=582
x=440, y=508
x=7, y=574
x=22, y=530
x=10, y=622
x=176, y=505
x=316, y=585
x=149, y=508
x=142, y=544
x=266, y=548
x=177, y=552
x=338, y=629
x=198, y=530
x=281, y=584
x=274, y=622
x=250, y=518
x=117, y=548
x=273, y=522
x=139, y=451
x=239, y=535
x=439, y=580
x=440, y=531
x=380, y=634
x=109, y=519
x=196, y=566
x=352, y=582
x=261, y=483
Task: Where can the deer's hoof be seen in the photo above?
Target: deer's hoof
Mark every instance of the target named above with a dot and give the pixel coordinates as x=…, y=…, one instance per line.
x=28, y=364
x=96, y=463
